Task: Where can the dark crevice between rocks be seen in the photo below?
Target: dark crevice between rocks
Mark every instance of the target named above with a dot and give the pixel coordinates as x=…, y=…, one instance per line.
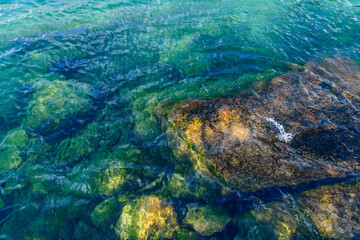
x=242, y=201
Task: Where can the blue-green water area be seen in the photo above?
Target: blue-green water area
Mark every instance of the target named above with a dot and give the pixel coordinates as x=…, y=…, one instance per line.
x=84, y=152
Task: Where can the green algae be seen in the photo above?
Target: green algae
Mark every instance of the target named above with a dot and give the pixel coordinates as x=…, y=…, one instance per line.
x=112, y=179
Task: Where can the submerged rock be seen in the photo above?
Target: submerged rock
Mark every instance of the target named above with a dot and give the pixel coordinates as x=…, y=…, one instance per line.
x=206, y=220
x=274, y=220
x=334, y=210
x=303, y=127
x=147, y=218
x=53, y=101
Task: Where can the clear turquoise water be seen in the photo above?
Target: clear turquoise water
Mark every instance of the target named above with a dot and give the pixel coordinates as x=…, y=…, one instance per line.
x=79, y=82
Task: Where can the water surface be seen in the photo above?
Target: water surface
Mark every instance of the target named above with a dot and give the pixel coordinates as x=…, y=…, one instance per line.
x=81, y=82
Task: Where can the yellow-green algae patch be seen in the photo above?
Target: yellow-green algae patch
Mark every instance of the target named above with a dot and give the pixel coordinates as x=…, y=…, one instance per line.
x=10, y=148
x=148, y=217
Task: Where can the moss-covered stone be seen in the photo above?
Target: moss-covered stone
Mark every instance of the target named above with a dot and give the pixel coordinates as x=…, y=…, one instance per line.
x=206, y=220
x=148, y=217
x=334, y=210
x=10, y=148
x=82, y=145
x=53, y=101
x=296, y=130
x=103, y=211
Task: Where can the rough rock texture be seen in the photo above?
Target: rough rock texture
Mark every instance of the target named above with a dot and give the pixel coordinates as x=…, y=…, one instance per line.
x=304, y=126
x=147, y=218
x=335, y=210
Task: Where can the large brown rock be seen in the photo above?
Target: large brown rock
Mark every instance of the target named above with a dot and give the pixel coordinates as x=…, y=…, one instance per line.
x=304, y=126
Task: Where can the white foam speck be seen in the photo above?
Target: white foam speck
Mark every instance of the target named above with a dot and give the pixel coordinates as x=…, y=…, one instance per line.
x=282, y=136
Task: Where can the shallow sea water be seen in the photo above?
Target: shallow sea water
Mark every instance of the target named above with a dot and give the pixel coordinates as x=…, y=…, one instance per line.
x=81, y=83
